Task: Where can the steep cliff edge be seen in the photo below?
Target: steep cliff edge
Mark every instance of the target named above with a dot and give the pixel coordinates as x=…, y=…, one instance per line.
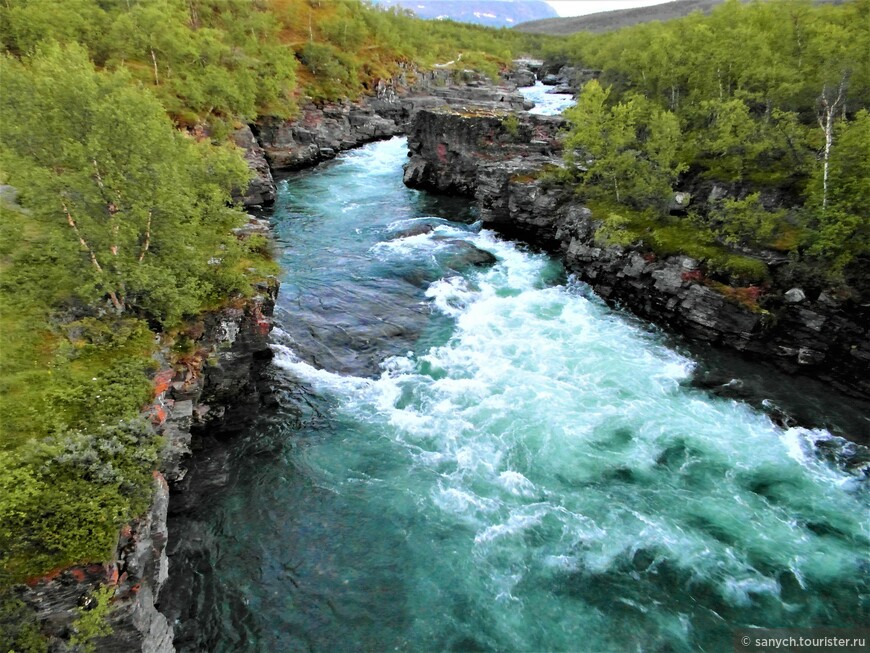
x=322, y=131
x=215, y=387
x=500, y=160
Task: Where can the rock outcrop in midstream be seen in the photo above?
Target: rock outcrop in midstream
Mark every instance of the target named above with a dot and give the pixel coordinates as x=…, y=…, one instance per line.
x=498, y=160
x=323, y=130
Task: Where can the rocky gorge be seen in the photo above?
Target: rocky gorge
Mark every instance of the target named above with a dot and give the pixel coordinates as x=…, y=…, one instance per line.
x=212, y=394
x=466, y=137
x=502, y=162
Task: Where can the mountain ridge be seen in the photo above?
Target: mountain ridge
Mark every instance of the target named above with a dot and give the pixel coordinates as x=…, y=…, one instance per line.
x=491, y=13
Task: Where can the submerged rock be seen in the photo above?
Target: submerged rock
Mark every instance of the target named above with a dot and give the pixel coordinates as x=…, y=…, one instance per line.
x=463, y=254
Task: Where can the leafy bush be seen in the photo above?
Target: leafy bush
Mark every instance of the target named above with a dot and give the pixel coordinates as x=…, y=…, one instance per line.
x=92, y=623
x=19, y=630
x=62, y=500
x=746, y=221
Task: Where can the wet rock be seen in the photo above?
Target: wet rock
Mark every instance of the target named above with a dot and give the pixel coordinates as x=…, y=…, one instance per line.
x=807, y=356
x=416, y=230
x=794, y=296
x=850, y=457
x=551, y=80
x=523, y=77
x=261, y=189
x=464, y=255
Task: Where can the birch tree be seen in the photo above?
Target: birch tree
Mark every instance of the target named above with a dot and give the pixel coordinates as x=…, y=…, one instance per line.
x=137, y=210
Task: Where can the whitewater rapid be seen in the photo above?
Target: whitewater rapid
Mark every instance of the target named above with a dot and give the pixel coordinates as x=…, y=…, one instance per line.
x=522, y=468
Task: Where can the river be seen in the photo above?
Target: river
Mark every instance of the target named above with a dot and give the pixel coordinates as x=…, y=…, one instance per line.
x=488, y=458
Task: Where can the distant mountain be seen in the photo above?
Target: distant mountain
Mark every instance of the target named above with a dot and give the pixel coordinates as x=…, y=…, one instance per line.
x=611, y=20
x=493, y=13
x=606, y=21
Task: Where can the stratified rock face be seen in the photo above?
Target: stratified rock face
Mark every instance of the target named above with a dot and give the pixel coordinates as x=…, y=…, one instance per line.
x=499, y=162
x=448, y=146
x=321, y=132
x=261, y=189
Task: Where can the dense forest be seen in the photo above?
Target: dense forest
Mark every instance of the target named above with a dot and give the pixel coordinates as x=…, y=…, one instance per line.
x=765, y=104
x=117, y=223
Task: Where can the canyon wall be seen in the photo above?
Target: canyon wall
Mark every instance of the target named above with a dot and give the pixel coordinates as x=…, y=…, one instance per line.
x=215, y=387
x=499, y=161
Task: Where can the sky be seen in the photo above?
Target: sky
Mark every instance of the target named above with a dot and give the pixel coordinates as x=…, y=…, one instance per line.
x=581, y=7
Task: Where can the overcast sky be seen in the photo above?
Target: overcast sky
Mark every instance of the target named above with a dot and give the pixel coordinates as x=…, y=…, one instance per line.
x=580, y=7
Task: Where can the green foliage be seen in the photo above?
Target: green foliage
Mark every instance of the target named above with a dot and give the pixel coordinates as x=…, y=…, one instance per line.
x=135, y=211
x=511, y=125
x=19, y=630
x=203, y=58
x=739, y=96
x=616, y=229
x=63, y=499
x=630, y=149
x=92, y=623
x=115, y=393
x=335, y=71
x=667, y=236
x=841, y=229
x=746, y=222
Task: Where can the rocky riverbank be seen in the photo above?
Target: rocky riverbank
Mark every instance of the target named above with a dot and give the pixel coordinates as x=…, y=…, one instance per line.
x=214, y=388
x=321, y=131
x=499, y=160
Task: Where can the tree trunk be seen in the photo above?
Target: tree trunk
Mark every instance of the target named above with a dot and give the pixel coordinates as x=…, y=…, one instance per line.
x=147, y=242
x=116, y=302
x=826, y=116
x=154, y=61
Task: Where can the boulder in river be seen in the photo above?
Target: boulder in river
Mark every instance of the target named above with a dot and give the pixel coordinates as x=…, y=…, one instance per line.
x=464, y=255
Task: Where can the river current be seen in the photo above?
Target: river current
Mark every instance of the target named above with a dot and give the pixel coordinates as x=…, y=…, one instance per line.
x=488, y=458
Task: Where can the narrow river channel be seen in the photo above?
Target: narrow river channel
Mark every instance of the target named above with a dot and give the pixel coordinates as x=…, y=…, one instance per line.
x=473, y=457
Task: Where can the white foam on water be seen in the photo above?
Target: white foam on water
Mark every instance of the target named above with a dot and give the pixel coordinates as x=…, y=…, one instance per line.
x=548, y=104
x=550, y=435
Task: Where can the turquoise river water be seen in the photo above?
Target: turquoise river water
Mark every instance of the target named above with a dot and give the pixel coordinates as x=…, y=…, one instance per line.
x=465, y=458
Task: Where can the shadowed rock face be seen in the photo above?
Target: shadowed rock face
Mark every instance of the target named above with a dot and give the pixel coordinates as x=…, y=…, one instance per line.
x=220, y=391
x=449, y=147
x=261, y=189
x=500, y=164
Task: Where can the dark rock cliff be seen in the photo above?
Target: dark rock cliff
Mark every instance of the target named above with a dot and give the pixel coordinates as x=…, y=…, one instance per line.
x=215, y=388
x=261, y=189
x=499, y=162
x=320, y=132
